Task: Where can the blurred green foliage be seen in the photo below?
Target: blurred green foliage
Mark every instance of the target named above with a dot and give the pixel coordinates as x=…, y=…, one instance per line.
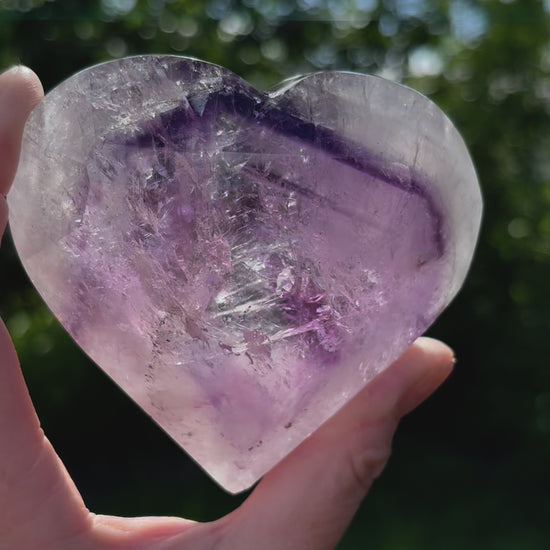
x=470, y=468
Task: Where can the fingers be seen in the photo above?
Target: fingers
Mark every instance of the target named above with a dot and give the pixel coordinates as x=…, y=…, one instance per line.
x=20, y=92
x=309, y=499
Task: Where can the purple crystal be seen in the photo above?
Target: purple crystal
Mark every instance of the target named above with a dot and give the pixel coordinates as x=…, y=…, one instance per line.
x=242, y=263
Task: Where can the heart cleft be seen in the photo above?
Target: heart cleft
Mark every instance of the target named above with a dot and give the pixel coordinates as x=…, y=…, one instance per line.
x=241, y=263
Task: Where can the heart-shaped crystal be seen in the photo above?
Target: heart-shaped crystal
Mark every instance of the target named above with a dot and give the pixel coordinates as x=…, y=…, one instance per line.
x=242, y=263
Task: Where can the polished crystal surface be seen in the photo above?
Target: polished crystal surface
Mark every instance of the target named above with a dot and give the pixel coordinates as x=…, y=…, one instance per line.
x=241, y=263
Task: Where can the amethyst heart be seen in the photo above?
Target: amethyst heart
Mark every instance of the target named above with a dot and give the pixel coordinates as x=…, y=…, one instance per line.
x=242, y=263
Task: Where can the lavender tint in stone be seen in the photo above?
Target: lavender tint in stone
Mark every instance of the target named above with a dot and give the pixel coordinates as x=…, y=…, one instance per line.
x=242, y=263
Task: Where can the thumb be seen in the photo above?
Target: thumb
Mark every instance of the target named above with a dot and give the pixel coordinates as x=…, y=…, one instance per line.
x=20, y=91
x=309, y=499
x=37, y=497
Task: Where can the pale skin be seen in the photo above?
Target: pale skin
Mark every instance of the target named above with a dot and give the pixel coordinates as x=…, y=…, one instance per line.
x=304, y=503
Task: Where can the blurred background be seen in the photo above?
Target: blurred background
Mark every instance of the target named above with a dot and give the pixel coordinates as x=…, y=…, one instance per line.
x=471, y=467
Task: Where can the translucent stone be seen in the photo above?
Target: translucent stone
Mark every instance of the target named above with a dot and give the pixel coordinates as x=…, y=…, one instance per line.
x=242, y=263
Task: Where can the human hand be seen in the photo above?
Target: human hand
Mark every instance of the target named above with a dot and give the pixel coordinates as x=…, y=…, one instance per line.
x=306, y=502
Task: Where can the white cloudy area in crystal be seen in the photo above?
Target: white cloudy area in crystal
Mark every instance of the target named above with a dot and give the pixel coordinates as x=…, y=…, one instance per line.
x=242, y=263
